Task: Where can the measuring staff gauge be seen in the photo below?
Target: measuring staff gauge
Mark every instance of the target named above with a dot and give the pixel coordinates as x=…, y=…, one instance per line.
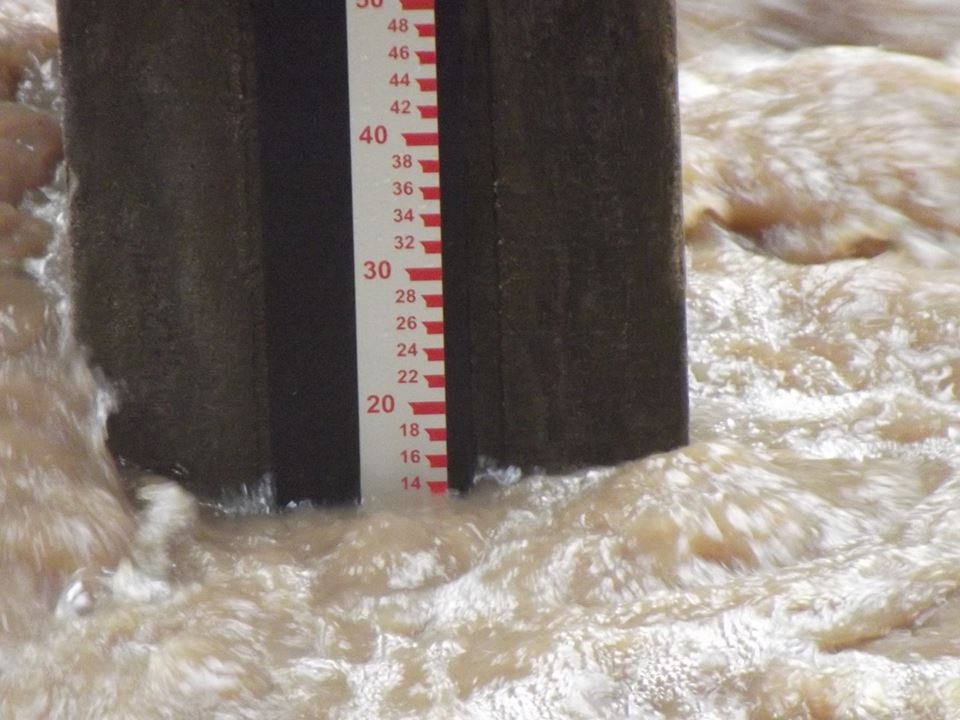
x=398, y=270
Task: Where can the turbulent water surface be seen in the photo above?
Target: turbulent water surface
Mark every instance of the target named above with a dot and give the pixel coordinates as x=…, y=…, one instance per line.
x=800, y=559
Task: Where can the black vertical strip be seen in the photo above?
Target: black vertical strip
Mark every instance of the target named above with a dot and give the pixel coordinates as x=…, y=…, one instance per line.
x=303, y=97
x=461, y=443
x=471, y=238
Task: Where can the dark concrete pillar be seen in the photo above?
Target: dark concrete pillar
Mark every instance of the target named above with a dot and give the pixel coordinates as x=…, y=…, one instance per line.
x=560, y=142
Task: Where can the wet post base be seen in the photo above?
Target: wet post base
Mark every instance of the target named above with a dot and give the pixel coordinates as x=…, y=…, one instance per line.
x=208, y=155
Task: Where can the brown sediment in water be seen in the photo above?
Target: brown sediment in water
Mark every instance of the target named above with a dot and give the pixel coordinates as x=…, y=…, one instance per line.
x=800, y=559
x=30, y=148
x=22, y=237
x=22, y=44
x=918, y=27
x=824, y=154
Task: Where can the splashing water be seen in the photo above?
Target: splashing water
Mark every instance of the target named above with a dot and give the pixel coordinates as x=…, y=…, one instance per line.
x=800, y=559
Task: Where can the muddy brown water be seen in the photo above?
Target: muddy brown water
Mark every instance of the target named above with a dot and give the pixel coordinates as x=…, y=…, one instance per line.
x=800, y=559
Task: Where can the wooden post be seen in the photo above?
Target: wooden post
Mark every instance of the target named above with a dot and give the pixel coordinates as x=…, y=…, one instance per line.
x=210, y=216
x=164, y=219
x=207, y=146
x=560, y=141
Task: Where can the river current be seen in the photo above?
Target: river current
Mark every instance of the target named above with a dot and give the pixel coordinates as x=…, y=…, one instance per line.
x=799, y=559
